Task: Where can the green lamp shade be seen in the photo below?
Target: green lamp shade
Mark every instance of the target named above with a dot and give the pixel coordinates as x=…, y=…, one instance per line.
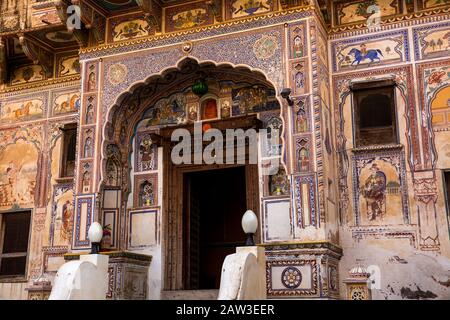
x=200, y=88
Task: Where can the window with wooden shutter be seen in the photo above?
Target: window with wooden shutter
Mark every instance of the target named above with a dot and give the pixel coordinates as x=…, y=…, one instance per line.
x=15, y=230
x=68, y=151
x=374, y=113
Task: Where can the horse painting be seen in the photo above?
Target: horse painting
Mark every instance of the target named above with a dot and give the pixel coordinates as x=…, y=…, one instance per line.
x=371, y=54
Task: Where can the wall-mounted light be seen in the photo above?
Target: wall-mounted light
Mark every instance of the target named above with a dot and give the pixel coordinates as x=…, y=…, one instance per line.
x=286, y=94
x=95, y=235
x=249, y=225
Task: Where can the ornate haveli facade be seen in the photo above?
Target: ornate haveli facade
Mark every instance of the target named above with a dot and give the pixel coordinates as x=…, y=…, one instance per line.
x=91, y=92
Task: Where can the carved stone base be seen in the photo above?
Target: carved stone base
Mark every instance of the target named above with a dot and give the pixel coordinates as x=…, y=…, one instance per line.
x=127, y=275
x=303, y=270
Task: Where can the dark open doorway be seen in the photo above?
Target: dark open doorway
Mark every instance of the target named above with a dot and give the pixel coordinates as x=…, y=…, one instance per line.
x=215, y=201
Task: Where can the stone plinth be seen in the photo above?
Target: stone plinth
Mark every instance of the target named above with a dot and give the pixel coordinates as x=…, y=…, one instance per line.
x=128, y=274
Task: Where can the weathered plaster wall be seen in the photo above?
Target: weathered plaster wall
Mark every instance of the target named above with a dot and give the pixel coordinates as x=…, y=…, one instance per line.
x=29, y=166
x=409, y=243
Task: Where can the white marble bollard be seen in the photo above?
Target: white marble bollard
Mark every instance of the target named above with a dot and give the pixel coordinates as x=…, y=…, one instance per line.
x=243, y=275
x=84, y=279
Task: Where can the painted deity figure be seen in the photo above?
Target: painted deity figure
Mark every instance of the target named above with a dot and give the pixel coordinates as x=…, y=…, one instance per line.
x=146, y=152
x=374, y=191
x=225, y=112
x=279, y=183
x=67, y=213
x=147, y=197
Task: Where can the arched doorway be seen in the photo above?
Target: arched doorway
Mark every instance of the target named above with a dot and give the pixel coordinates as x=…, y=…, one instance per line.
x=199, y=205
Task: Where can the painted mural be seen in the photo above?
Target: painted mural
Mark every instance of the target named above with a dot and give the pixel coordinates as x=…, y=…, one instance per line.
x=68, y=66
x=62, y=215
x=368, y=51
x=432, y=41
x=429, y=4
x=171, y=110
x=147, y=153
x=244, y=8
x=18, y=170
x=27, y=74
x=44, y=16
x=437, y=91
x=126, y=28
x=299, y=77
x=297, y=39
x=188, y=16
x=357, y=11
x=66, y=102
x=253, y=99
x=21, y=110
x=380, y=189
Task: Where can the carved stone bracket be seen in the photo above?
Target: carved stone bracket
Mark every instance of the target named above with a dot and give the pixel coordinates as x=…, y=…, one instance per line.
x=37, y=54
x=153, y=12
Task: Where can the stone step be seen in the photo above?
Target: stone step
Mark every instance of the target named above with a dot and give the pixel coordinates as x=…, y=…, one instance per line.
x=190, y=295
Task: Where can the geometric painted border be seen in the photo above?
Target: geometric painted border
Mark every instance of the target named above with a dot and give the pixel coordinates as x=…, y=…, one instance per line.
x=313, y=291
x=89, y=200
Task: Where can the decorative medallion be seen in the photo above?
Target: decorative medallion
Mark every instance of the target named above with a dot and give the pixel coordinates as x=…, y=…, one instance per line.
x=187, y=47
x=265, y=47
x=291, y=277
x=117, y=73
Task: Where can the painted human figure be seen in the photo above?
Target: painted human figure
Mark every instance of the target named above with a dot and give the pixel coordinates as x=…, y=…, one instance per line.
x=91, y=81
x=66, y=219
x=88, y=148
x=146, y=151
x=298, y=47
x=299, y=80
x=86, y=181
x=302, y=121
x=225, y=112
x=112, y=173
x=303, y=160
x=374, y=191
x=11, y=173
x=90, y=114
